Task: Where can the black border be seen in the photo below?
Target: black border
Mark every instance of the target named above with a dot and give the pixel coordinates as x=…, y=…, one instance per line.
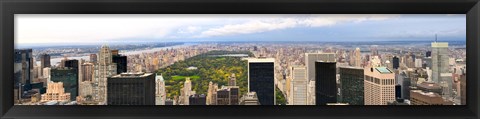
x=10, y=7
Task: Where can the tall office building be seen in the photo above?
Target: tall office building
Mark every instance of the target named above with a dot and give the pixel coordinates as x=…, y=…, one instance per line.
x=261, y=79
x=234, y=94
x=357, y=58
x=120, y=60
x=379, y=85
x=87, y=70
x=212, y=94
x=69, y=77
x=197, y=99
x=44, y=61
x=325, y=83
x=396, y=62
x=223, y=97
x=351, y=80
x=131, y=89
x=46, y=73
x=23, y=69
x=56, y=92
x=311, y=58
x=187, y=90
x=104, y=68
x=440, y=66
x=405, y=81
x=298, y=86
x=93, y=58
x=73, y=63
x=160, y=92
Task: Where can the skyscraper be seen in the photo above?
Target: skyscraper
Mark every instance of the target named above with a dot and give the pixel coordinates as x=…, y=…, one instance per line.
x=23, y=68
x=131, y=89
x=379, y=85
x=439, y=60
x=73, y=63
x=93, y=58
x=69, y=77
x=104, y=68
x=357, y=58
x=212, y=94
x=44, y=61
x=298, y=86
x=87, y=70
x=261, y=79
x=325, y=83
x=396, y=62
x=160, y=93
x=351, y=80
x=310, y=59
x=187, y=90
x=197, y=99
x=121, y=62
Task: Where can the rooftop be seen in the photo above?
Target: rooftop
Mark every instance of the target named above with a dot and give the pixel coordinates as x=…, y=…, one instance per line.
x=383, y=70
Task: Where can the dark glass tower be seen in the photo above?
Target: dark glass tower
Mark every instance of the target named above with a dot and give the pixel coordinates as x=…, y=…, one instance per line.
x=325, y=83
x=197, y=99
x=351, y=80
x=72, y=64
x=121, y=62
x=398, y=91
x=396, y=62
x=45, y=61
x=131, y=89
x=23, y=69
x=69, y=77
x=261, y=80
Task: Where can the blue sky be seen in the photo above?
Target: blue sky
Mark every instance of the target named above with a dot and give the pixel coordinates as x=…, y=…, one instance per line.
x=92, y=29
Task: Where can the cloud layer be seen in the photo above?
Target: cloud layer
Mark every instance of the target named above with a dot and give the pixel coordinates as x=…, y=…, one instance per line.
x=106, y=28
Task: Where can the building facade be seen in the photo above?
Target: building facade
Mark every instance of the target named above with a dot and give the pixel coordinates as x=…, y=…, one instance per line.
x=351, y=80
x=261, y=78
x=325, y=83
x=131, y=89
x=379, y=85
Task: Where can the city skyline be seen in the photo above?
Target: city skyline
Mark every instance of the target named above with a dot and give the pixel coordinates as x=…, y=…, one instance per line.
x=98, y=29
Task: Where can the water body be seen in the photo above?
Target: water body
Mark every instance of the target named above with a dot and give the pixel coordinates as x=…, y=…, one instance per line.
x=55, y=61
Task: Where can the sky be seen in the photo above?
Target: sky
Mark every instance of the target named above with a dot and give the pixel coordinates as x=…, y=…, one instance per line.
x=124, y=28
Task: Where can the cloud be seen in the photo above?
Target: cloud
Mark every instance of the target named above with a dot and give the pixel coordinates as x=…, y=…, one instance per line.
x=189, y=30
x=258, y=26
x=255, y=26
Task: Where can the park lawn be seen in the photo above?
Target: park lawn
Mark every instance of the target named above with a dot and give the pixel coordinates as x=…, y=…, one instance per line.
x=181, y=78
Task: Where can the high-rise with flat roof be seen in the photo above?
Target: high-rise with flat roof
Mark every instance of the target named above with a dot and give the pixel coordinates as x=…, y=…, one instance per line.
x=131, y=89
x=325, y=83
x=379, y=85
x=351, y=80
x=261, y=79
x=104, y=68
x=440, y=66
x=311, y=58
x=298, y=86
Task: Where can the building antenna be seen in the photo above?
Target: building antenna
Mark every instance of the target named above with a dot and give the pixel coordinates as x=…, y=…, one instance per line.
x=435, y=37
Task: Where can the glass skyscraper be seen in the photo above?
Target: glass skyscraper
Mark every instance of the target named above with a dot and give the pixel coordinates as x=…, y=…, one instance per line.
x=325, y=83
x=261, y=79
x=351, y=80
